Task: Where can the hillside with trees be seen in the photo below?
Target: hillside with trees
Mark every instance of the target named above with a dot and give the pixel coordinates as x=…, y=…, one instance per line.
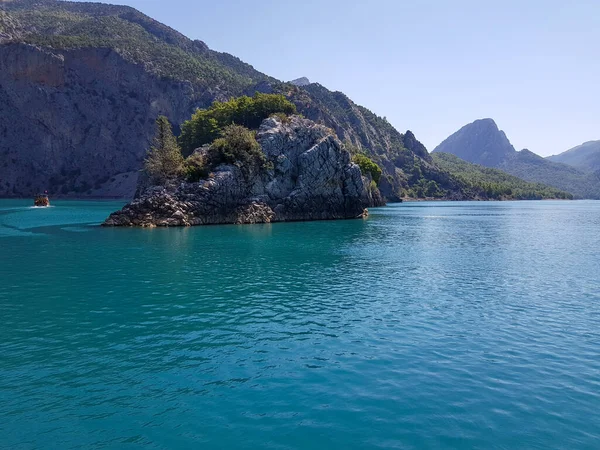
x=494, y=184
x=585, y=157
x=110, y=71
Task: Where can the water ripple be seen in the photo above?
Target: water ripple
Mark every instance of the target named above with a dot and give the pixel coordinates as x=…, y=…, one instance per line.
x=430, y=325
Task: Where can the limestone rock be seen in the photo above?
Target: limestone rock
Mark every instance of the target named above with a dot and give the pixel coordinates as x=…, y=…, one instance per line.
x=71, y=120
x=302, y=81
x=312, y=178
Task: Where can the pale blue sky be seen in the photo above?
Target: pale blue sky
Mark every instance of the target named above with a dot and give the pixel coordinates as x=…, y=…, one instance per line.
x=430, y=66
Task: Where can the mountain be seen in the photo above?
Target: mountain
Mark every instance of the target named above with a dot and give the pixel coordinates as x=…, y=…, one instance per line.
x=531, y=167
x=82, y=83
x=482, y=142
x=494, y=184
x=585, y=157
x=406, y=164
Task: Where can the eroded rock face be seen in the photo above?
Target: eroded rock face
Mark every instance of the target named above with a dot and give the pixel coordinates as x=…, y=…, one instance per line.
x=312, y=178
x=72, y=121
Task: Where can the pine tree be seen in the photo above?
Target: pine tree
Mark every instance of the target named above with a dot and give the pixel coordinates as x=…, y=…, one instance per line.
x=164, y=160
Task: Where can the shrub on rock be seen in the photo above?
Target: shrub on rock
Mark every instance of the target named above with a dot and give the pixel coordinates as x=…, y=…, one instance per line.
x=237, y=145
x=367, y=166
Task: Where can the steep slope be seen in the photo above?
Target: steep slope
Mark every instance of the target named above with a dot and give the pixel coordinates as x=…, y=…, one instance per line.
x=405, y=161
x=81, y=85
x=481, y=142
x=585, y=157
x=487, y=183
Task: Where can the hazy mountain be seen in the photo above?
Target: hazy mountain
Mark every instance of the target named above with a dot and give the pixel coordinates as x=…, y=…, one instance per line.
x=585, y=157
x=494, y=184
x=481, y=142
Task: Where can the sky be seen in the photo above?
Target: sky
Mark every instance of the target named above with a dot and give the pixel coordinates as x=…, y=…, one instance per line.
x=430, y=66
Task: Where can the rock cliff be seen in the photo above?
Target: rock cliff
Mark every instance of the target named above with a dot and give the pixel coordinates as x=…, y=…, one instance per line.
x=311, y=177
x=76, y=121
x=302, y=81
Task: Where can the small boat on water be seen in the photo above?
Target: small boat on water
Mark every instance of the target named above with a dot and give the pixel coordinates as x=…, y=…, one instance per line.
x=41, y=200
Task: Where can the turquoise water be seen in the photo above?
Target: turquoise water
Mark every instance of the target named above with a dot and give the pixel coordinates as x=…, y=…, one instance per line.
x=429, y=325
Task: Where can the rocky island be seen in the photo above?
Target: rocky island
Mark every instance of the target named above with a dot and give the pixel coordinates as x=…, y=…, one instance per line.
x=290, y=169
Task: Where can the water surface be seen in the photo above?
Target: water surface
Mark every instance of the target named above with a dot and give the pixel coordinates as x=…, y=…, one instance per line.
x=429, y=325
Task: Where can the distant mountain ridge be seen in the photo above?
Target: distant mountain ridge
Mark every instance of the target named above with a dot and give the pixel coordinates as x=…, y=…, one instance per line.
x=487, y=183
x=585, y=157
x=482, y=142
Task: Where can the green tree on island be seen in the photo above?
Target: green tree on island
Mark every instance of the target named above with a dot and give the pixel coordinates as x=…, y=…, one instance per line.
x=164, y=160
x=206, y=125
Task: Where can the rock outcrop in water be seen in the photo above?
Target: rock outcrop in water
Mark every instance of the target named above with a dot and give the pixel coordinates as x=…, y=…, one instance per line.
x=311, y=177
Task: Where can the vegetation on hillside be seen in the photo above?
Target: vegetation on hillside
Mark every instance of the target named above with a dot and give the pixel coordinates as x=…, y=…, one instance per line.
x=8, y=25
x=352, y=122
x=585, y=157
x=236, y=145
x=488, y=183
x=532, y=167
x=207, y=124
x=139, y=39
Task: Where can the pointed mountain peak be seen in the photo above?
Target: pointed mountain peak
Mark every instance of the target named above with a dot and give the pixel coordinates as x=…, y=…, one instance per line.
x=480, y=142
x=412, y=144
x=487, y=122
